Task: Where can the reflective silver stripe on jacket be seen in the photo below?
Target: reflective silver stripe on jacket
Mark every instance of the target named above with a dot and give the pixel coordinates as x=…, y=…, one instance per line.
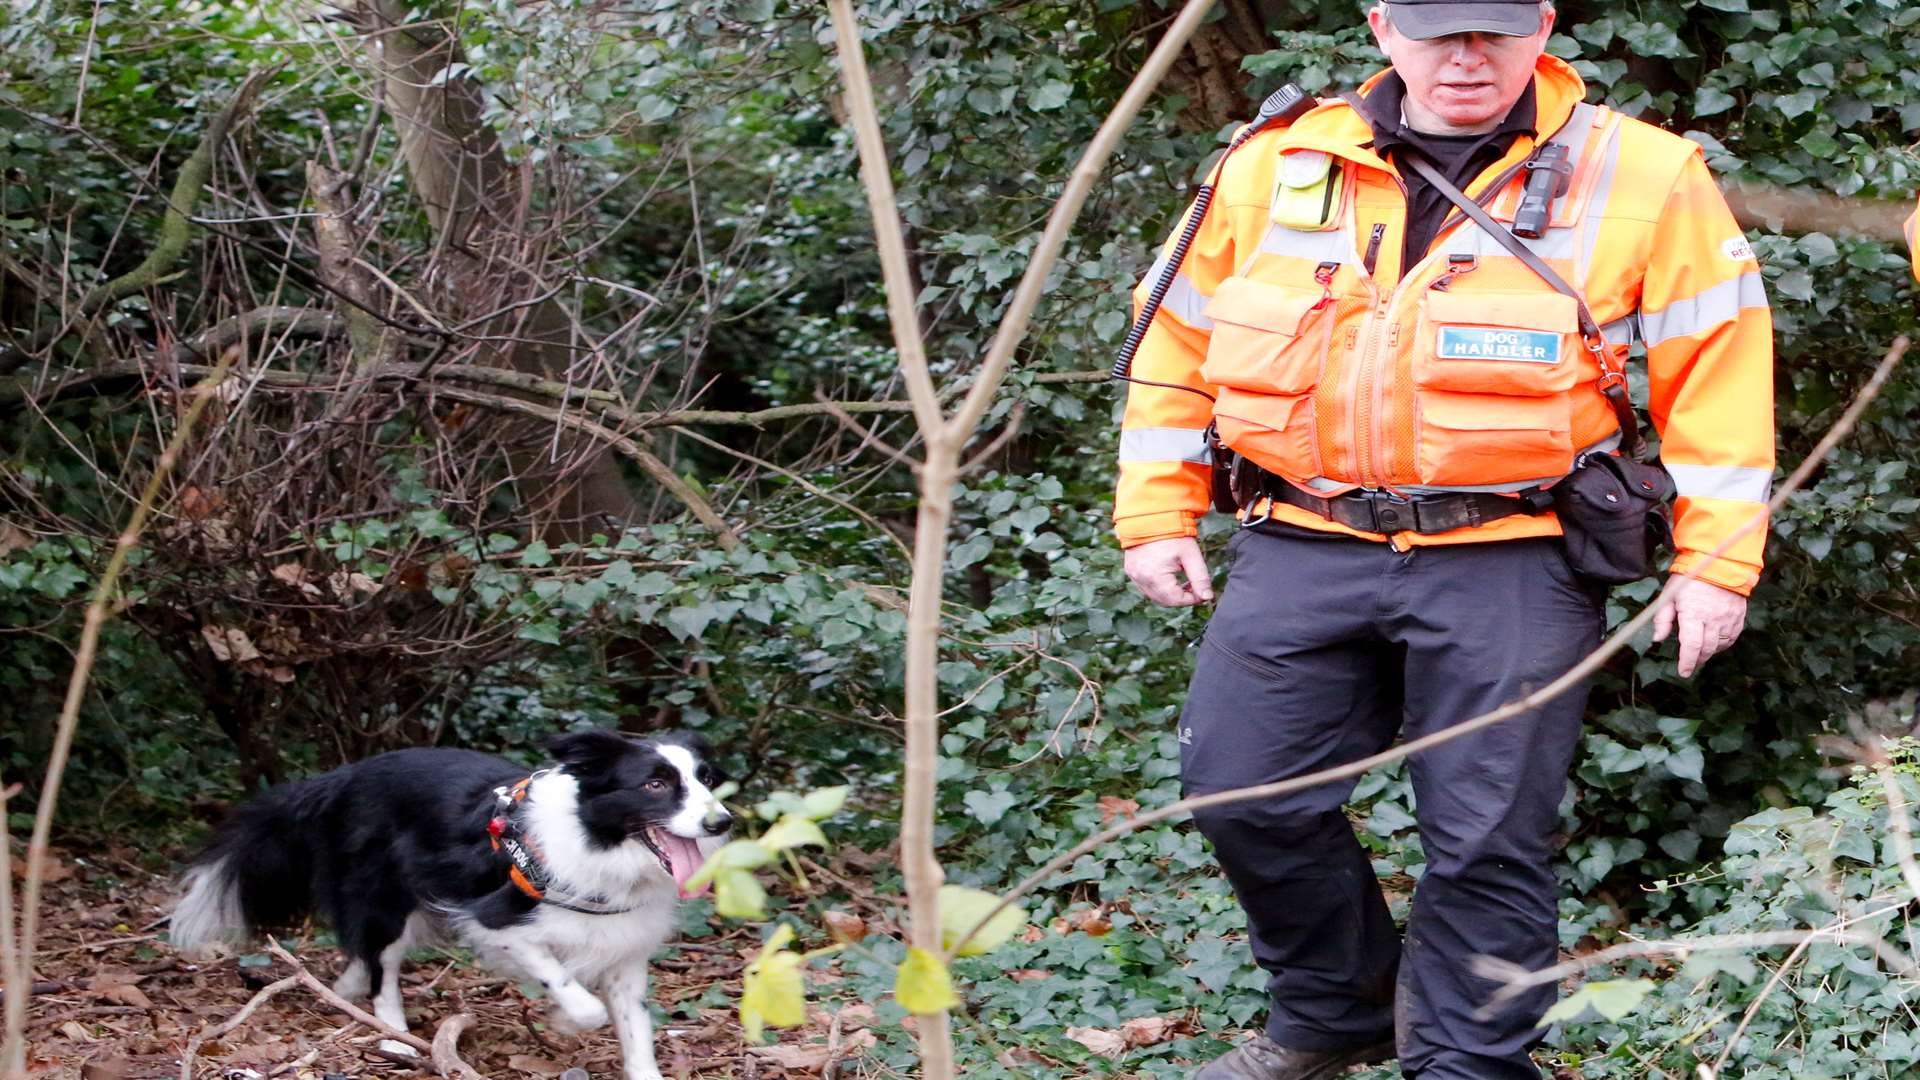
x=1559, y=242
x=1597, y=204
x=1332, y=246
x=1712, y=307
x=1184, y=300
x=1740, y=482
x=1165, y=444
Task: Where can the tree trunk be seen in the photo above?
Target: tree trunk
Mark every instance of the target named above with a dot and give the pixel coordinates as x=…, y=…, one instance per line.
x=486, y=261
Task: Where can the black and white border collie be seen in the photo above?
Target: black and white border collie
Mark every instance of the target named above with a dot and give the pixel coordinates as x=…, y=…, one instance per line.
x=567, y=876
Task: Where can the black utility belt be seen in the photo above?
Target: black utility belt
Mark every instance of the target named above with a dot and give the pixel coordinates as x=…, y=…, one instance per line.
x=1387, y=513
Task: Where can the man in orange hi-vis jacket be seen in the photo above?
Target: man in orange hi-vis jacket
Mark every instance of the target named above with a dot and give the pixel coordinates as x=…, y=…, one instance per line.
x=1913, y=241
x=1407, y=387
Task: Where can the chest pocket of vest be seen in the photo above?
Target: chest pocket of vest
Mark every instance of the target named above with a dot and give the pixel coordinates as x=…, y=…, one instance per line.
x=1267, y=339
x=1524, y=344
x=1493, y=376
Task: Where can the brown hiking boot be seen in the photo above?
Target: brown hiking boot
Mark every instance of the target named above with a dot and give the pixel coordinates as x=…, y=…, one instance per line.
x=1263, y=1059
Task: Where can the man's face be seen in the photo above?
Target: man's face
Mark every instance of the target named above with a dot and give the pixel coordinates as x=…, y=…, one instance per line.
x=1462, y=83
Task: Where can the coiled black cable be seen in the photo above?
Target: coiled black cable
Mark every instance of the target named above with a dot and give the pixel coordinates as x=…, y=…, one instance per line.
x=1287, y=103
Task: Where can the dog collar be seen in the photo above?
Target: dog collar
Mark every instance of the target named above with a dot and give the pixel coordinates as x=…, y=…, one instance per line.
x=527, y=867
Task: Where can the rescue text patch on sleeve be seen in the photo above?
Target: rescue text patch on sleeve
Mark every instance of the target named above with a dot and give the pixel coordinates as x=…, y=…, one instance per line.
x=1487, y=343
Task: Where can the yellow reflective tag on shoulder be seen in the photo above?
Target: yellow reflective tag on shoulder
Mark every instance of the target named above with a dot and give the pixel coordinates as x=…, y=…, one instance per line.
x=1306, y=190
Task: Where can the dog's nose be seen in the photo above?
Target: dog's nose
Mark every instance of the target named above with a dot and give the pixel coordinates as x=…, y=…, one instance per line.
x=718, y=822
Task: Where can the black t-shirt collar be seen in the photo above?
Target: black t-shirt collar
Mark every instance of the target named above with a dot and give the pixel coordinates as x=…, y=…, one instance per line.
x=1383, y=111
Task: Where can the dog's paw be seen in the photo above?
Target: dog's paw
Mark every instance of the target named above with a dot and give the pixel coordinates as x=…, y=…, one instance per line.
x=648, y=1074
x=394, y=1046
x=580, y=1012
x=352, y=983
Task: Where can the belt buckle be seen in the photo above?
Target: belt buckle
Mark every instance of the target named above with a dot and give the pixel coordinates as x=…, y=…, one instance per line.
x=1391, y=513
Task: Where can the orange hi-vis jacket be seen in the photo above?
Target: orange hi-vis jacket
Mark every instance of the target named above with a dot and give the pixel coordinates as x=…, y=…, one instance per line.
x=1465, y=371
x=1913, y=241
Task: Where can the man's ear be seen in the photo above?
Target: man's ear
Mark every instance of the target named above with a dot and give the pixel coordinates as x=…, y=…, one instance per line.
x=588, y=749
x=1382, y=29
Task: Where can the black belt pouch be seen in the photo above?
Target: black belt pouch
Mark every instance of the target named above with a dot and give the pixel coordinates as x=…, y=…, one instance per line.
x=1617, y=515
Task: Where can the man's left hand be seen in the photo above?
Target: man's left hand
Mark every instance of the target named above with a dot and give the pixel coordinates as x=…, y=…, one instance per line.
x=1710, y=619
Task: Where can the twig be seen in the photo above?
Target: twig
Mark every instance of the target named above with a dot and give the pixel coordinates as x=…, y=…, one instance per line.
x=194, y=1044
x=1710, y=1072
x=806, y=485
x=633, y=451
x=1573, y=677
x=175, y=229
x=1897, y=818
x=1518, y=979
x=13, y=1053
x=98, y=610
x=445, y=1060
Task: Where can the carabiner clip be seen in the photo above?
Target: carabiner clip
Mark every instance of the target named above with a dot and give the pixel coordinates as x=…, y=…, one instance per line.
x=1323, y=274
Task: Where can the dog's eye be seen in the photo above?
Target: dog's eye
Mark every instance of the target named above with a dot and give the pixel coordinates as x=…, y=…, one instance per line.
x=655, y=785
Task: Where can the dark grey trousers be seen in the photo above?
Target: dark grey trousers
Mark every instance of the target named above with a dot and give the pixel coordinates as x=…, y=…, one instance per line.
x=1321, y=651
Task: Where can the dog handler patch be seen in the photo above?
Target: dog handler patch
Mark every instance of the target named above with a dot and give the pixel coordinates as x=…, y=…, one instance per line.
x=1485, y=343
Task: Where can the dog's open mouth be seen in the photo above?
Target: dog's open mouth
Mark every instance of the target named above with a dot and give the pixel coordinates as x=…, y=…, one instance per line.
x=678, y=855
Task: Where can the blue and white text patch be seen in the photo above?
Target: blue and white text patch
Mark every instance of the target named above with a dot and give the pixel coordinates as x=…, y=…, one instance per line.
x=1490, y=343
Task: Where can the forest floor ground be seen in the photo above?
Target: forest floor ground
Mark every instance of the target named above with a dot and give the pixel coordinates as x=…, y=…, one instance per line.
x=114, y=1002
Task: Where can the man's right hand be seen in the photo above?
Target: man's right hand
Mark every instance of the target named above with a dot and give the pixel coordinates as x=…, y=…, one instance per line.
x=1158, y=568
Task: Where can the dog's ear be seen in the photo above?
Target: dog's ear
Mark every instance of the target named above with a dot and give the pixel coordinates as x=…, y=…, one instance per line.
x=588, y=749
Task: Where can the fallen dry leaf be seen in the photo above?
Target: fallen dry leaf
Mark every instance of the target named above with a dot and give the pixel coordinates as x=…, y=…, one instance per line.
x=1028, y=974
x=107, y=1068
x=1099, y=1040
x=293, y=575
x=51, y=868
x=812, y=1056
x=229, y=643
x=126, y=995
x=197, y=504
x=13, y=538
x=1113, y=806
x=538, y=1066
x=346, y=583
x=855, y=1017
x=1147, y=1030
x=1091, y=921
x=845, y=928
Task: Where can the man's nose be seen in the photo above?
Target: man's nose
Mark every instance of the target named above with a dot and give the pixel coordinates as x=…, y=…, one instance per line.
x=1467, y=50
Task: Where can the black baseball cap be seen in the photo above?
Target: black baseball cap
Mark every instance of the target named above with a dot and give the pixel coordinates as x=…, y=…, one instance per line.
x=1422, y=19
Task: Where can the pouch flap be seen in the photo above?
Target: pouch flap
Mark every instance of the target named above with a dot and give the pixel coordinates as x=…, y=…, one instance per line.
x=1273, y=308
x=1544, y=310
x=1304, y=168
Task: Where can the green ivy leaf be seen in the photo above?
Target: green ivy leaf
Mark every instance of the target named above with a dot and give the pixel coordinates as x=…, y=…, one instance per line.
x=793, y=831
x=737, y=895
x=962, y=907
x=1613, y=999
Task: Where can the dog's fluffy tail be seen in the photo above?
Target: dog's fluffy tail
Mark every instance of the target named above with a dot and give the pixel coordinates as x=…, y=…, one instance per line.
x=258, y=870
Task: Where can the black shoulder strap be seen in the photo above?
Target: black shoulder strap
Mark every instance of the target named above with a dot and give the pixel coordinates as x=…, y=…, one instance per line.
x=1613, y=382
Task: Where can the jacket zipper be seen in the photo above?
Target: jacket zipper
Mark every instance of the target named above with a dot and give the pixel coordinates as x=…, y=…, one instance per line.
x=1365, y=452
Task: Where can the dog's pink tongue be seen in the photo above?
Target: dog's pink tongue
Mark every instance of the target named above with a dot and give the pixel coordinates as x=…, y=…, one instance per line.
x=685, y=856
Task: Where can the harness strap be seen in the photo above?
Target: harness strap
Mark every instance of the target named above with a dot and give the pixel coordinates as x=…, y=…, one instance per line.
x=1613, y=381
x=526, y=866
